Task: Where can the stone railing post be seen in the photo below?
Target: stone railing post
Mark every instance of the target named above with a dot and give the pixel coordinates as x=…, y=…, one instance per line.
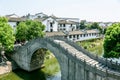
x=116, y=65
x=111, y=63
x=96, y=57
x=84, y=68
x=106, y=74
x=106, y=61
x=95, y=72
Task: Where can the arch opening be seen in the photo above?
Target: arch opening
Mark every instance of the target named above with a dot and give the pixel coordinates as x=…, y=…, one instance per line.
x=47, y=61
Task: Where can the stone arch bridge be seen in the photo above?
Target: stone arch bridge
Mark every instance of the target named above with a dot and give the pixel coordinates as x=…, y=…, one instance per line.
x=75, y=63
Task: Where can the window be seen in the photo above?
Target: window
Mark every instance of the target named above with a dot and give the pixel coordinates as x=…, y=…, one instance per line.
x=51, y=30
x=51, y=25
x=70, y=36
x=64, y=29
x=60, y=25
x=80, y=35
x=71, y=24
x=84, y=35
x=63, y=25
x=73, y=36
x=77, y=36
x=89, y=34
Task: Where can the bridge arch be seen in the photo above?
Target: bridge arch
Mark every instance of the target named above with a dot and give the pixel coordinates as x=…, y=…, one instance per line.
x=75, y=63
x=23, y=54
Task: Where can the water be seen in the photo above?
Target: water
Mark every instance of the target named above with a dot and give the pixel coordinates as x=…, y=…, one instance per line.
x=24, y=75
x=51, y=68
x=56, y=77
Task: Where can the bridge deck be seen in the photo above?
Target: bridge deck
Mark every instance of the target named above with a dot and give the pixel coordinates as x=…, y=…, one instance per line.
x=83, y=56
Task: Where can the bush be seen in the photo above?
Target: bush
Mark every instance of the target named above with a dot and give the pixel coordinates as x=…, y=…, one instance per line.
x=112, y=41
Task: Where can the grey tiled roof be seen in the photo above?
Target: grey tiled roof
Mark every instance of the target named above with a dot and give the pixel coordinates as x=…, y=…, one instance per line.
x=16, y=19
x=71, y=33
x=55, y=33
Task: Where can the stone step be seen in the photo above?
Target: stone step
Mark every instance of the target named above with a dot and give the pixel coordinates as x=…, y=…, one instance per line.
x=89, y=60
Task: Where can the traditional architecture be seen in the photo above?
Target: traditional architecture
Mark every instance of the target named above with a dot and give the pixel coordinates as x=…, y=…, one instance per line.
x=55, y=24
x=66, y=27
x=14, y=20
x=77, y=35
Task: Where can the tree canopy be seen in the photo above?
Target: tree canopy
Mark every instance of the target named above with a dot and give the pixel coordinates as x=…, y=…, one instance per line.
x=21, y=32
x=112, y=41
x=29, y=29
x=83, y=24
x=7, y=38
x=95, y=25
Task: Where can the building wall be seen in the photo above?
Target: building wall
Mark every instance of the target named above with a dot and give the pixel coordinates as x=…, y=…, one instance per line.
x=48, y=22
x=81, y=37
x=67, y=27
x=12, y=24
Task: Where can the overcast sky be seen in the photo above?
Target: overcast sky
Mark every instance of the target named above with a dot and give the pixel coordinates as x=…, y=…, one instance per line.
x=91, y=10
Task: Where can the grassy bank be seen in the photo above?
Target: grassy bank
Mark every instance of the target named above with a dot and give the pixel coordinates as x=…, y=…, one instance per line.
x=95, y=46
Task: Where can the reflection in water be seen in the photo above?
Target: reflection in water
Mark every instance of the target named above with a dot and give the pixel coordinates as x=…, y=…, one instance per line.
x=34, y=75
x=56, y=77
x=24, y=75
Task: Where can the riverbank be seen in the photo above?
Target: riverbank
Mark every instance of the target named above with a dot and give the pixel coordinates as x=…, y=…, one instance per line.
x=5, y=67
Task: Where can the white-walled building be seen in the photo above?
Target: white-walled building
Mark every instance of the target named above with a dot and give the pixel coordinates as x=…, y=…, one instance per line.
x=66, y=25
x=83, y=35
x=51, y=24
x=55, y=24
x=37, y=15
x=14, y=20
x=77, y=35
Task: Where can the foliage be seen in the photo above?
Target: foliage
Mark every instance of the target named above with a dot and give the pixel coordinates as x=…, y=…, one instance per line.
x=94, y=46
x=29, y=30
x=83, y=25
x=104, y=31
x=21, y=32
x=112, y=41
x=51, y=66
x=95, y=25
x=6, y=35
x=35, y=29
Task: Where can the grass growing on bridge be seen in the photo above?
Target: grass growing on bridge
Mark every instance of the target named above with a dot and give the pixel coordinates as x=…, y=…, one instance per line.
x=95, y=46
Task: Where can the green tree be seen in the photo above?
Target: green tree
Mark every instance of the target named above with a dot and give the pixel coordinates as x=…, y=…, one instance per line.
x=94, y=25
x=112, y=41
x=35, y=29
x=7, y=38
x=83, y=24
x=21, y=32
x=30, y=29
